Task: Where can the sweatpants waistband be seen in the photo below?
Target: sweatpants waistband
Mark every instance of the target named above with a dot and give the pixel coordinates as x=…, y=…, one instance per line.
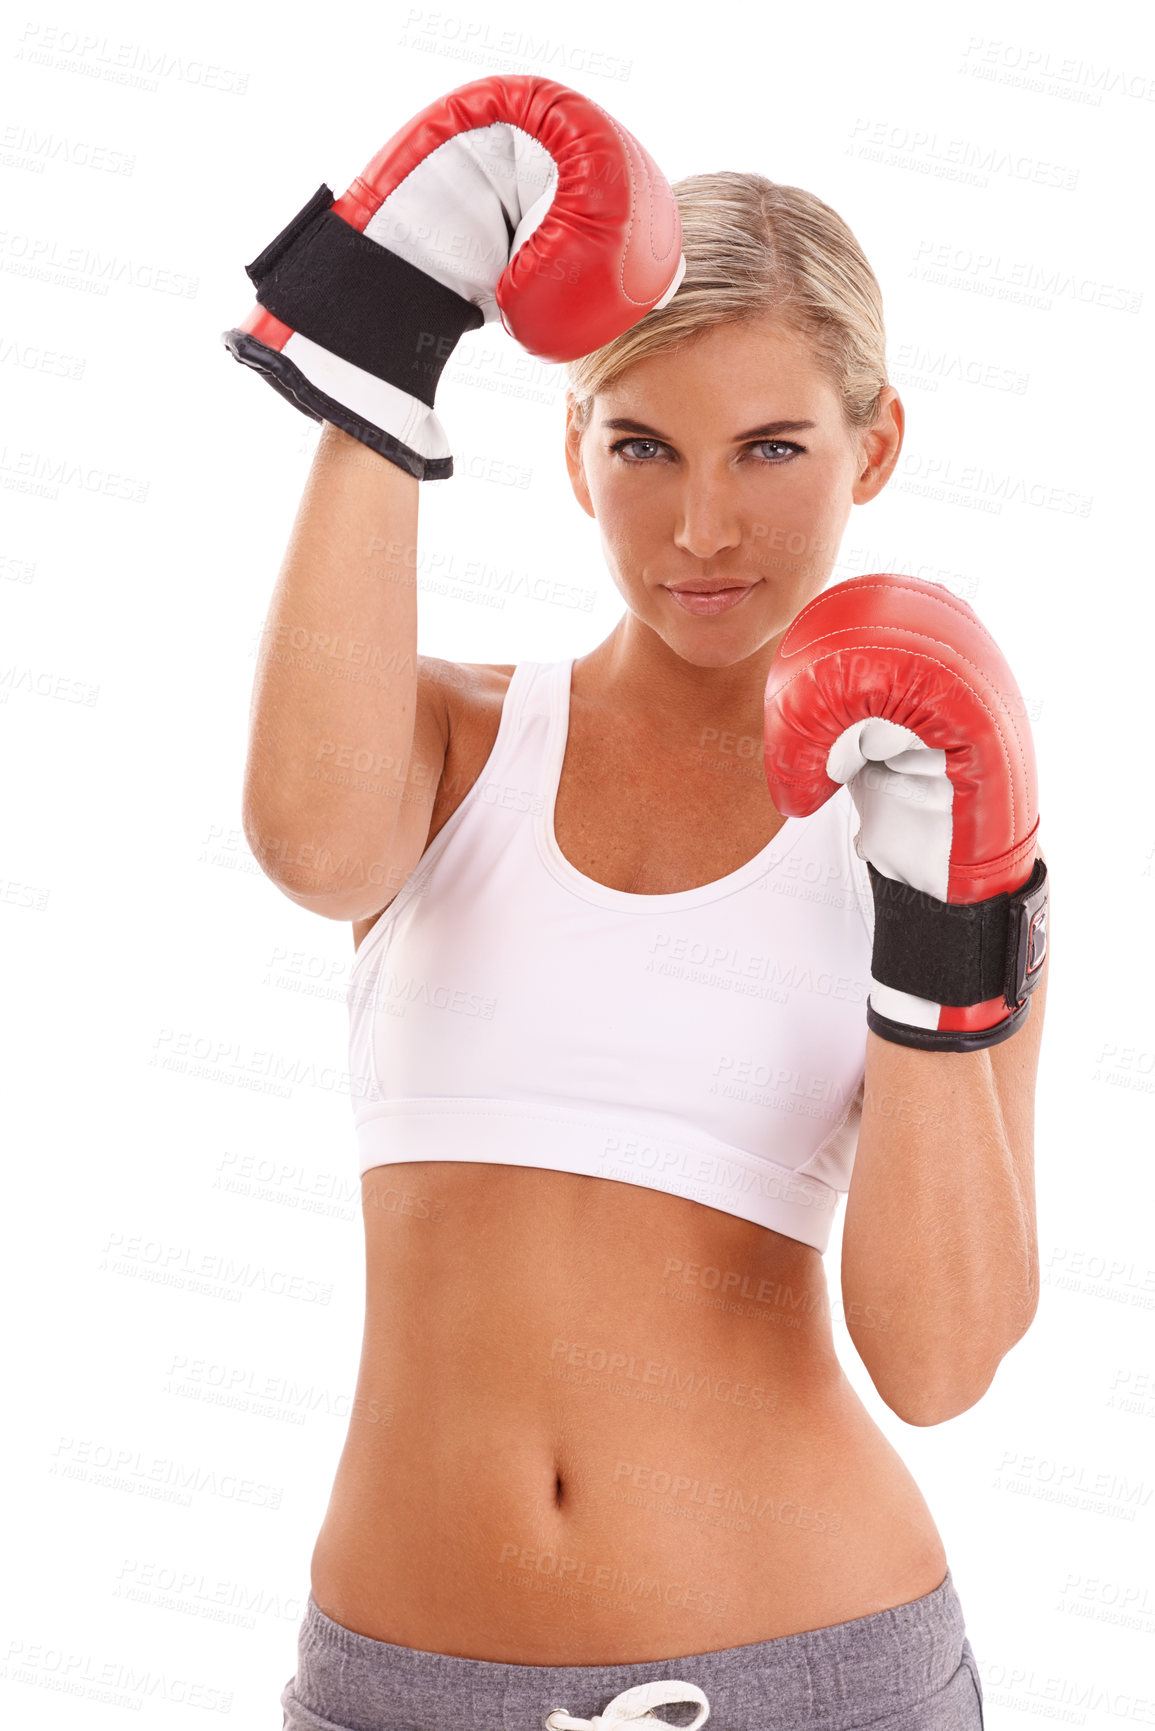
x=911, y=1664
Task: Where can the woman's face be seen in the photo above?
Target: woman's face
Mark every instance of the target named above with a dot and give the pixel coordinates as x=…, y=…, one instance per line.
x=725, y=462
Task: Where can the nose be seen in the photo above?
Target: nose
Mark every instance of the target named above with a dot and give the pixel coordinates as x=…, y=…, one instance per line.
x=707, y=518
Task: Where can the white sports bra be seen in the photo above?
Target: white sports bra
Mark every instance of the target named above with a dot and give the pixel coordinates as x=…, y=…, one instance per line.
x=711, y=1042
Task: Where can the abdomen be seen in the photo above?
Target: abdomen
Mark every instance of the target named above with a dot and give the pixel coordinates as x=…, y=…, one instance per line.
x=597, y=1424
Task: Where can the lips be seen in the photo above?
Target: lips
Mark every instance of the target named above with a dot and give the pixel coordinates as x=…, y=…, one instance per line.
x=704, y=588
x=719, y=598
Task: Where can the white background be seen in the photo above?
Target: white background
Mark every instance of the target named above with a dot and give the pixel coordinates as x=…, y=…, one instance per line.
x=995, y=163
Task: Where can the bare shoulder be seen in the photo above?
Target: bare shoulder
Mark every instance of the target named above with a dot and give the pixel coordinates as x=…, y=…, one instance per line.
x=458, y=713
x=465, y=690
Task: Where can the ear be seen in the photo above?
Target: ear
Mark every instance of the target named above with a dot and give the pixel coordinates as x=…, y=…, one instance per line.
x=573, y=457
x=880, y=447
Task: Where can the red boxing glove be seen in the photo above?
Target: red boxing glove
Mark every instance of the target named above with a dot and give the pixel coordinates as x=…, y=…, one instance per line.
x=510, y=197
x=893, y=686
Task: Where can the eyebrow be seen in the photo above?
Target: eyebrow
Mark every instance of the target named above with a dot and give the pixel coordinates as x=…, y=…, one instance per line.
x=769, y=431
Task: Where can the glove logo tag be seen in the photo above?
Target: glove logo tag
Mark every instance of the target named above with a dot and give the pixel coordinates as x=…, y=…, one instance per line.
x=1029, y=904
x=1037, y=941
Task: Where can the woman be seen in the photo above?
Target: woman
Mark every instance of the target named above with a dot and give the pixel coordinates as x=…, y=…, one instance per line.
x=601, y=1439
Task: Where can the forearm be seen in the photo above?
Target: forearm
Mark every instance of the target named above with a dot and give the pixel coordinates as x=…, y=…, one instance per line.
x=939, y=1228
x=334, y=698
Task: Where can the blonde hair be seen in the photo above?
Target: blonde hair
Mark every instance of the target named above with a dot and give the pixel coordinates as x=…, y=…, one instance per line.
x=754, y=247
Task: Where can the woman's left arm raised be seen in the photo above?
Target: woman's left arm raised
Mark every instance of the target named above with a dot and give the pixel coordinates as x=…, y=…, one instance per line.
x=940, y=1264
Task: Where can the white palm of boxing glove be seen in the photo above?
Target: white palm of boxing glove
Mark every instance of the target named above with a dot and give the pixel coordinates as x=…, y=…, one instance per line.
x=462, y=213
x=903, y=797
x=892, y=687
x=513, y=198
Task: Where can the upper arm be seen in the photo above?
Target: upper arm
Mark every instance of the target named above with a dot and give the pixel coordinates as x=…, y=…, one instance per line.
x=426, y=768
x=381, y=878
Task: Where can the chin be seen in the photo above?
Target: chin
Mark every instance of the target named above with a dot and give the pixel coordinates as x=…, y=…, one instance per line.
x=714, y=654
x=717, y=642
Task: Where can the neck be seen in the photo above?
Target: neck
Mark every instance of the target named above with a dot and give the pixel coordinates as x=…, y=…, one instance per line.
x=636, y=674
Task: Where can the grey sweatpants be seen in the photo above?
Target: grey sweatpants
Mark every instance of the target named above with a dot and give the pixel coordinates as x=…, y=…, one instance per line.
x=909, y=1668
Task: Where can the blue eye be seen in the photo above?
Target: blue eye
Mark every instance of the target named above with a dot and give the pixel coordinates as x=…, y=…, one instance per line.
x=780, y=444
x=622, y=443
x=785, y=445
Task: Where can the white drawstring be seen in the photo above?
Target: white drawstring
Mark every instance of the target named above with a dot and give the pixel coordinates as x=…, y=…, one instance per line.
x=634, y=1704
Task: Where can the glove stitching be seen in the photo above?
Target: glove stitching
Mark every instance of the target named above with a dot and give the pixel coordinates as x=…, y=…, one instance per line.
x=633, y=208
x=946, y=599
x=644, y=165
x=800, y=780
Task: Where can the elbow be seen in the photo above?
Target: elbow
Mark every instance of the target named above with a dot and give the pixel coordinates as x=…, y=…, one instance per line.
x=927, y=1395
x=926, y=1382
x=294, y=867
x=925, y=1407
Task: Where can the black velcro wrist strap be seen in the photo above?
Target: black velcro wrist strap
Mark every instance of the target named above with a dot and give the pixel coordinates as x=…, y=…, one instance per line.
x=951, y=1040
x=323, y=278
x=959, y=953
x=289, y=382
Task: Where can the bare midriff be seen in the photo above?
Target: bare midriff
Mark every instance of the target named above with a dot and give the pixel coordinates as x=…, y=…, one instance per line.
x=596, y=1423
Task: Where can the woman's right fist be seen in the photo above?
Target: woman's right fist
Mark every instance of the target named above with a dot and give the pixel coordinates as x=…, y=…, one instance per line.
x=511, y=197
